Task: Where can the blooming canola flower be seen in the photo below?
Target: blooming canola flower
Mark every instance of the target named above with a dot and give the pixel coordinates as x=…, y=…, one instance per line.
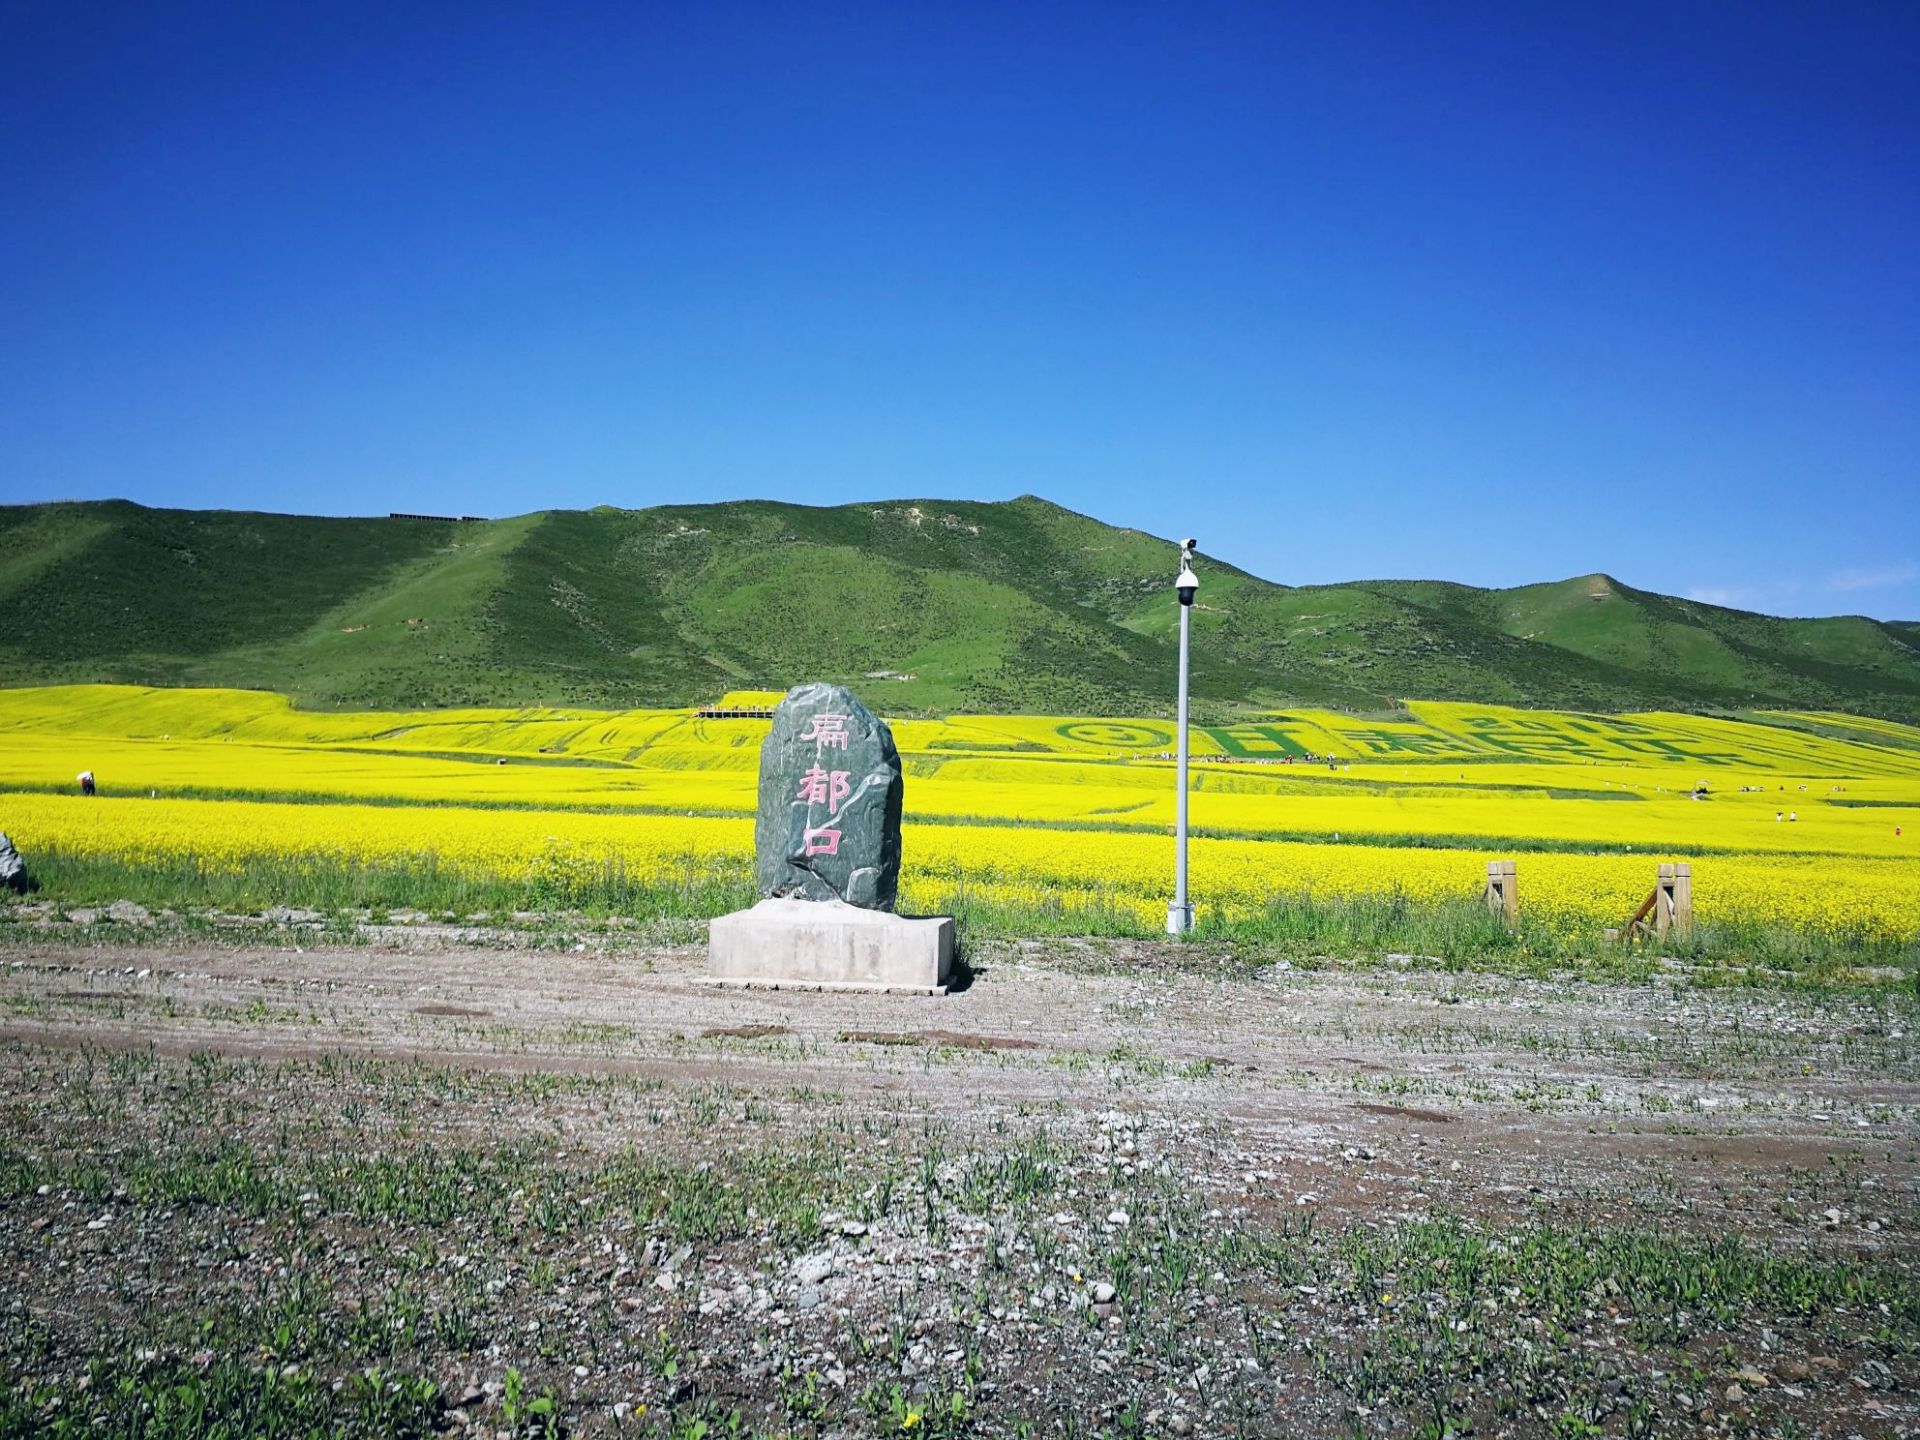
x=1062, y=811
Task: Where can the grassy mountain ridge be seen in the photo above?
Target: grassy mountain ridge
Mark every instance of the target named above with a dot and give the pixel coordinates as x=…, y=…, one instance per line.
x=923, y=604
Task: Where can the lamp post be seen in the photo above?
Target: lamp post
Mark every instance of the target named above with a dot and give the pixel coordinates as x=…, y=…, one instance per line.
x=1180, y=909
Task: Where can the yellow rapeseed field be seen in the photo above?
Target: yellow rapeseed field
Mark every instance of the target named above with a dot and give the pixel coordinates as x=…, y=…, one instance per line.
x=1784, y=822
x=1035, y=866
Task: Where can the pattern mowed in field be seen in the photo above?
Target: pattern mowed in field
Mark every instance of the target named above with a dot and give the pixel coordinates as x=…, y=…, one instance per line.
x=1785, y=823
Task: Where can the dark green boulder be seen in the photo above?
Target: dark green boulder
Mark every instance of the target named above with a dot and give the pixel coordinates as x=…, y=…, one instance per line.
x=830, y=790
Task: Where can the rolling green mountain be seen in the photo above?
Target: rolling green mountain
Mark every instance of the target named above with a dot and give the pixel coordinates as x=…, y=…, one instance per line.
x=1019, y=606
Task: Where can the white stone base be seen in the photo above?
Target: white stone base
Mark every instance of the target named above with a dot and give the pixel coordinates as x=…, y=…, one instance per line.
x=820, y=987
x=825, y=944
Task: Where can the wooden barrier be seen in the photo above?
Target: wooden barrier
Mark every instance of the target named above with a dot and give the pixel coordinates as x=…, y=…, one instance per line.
x=1668, y=908
x=1673, y=908
x=1503, y=890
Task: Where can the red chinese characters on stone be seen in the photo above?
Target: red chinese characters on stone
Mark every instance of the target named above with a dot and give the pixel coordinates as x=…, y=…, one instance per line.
x=824, y=787
x=827, y=825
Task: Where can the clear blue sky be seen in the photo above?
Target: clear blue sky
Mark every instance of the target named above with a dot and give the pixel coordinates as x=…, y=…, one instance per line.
x=1484, y=292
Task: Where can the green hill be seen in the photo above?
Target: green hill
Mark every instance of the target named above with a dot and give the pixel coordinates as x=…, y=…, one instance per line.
x=925, y=605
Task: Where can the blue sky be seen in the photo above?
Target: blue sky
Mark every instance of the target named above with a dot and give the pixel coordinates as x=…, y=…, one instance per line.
x=1482, y=292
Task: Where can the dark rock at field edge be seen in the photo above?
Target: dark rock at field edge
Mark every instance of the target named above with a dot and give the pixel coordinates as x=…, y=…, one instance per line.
x=828, y=826
x=13, y=869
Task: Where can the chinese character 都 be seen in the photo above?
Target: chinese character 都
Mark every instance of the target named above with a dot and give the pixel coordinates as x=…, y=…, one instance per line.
x=819, y=786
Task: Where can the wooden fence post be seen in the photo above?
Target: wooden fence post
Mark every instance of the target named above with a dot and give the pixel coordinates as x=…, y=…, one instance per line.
x=1503, y=890
x=1668, y=908
x=1674, y=900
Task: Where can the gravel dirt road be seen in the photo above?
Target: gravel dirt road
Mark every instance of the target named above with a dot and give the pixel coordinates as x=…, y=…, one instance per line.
x=1263, y=1124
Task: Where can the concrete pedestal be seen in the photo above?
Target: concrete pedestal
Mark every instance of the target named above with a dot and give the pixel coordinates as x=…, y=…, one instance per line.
x=829, y=945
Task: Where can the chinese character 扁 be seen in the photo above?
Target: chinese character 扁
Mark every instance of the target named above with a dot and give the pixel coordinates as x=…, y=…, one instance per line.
x=827, y=730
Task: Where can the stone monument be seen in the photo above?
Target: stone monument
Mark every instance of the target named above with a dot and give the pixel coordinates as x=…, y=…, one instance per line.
x=827, y=859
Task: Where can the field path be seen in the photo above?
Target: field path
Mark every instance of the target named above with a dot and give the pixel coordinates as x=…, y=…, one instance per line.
x=1372, y=1094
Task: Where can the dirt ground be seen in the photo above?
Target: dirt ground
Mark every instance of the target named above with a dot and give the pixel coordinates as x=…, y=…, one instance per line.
x=1287, y=1141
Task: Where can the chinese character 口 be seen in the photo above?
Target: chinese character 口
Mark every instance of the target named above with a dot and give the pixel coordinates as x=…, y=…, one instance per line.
x=818, y=786
x=821, y=842
x=827, y=730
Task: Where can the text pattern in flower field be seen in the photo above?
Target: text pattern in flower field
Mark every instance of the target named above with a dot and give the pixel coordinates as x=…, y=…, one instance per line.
x=1307, y=802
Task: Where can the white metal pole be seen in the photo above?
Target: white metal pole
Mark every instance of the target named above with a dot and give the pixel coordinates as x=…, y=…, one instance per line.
x=1180, y=913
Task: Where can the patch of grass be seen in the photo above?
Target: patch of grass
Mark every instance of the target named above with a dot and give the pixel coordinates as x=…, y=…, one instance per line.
x=1360, y=930
x=697, y=889
x=127, y=1398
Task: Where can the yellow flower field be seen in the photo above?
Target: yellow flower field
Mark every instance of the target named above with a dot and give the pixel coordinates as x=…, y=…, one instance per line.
x=1234, y=878
x=1803, y=828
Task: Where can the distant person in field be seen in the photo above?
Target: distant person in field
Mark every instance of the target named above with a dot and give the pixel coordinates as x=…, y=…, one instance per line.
x=86, y=782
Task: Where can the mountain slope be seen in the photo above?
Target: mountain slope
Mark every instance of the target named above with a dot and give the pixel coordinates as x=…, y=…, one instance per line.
x=1014, y=606
x=1696, y=653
